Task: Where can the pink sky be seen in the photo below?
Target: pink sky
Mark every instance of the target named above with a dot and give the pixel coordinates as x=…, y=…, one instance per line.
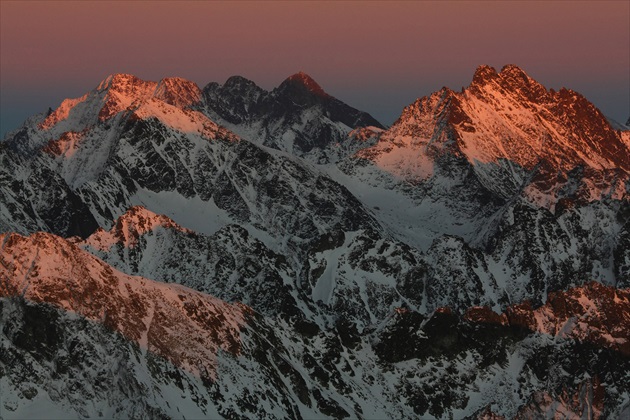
x=377, y=56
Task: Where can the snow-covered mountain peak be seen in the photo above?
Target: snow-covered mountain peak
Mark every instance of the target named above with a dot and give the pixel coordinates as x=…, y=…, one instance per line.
x=483, y=74
x=508, y=115
x=118, y=92
x=303, y=82
x=511, y=78
x=175, y=91
x=121, y=82
x=123, y=92
x=234, y=101
x=136, y=222
x=509, y=123
x=179, y=92
x=510, y=81
x=240, y=82
x=174, y=101
x=512, y=71
x=186, y=327
x=297, y=116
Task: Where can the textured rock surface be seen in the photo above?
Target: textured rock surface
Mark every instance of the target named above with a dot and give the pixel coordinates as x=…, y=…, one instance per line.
x=297, y=117
x=298, y=260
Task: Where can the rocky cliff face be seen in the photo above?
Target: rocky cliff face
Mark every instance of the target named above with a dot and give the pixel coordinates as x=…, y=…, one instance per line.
x=519, y=138
x=232, y=252
x=297, y=117
x=82, y=339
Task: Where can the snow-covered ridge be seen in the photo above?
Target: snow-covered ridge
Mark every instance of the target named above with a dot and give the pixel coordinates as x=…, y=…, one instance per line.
x=62, y=112
x=592, y=313
x=515, y=134
x=297, y=117
x=304, y=80
x=511, y=116
x=123, y=92
x=185, y=327
x=178, y=92
x=319, y=263
x=66, y=145
x=182, y=120
x=137, y=221
x=82, y=134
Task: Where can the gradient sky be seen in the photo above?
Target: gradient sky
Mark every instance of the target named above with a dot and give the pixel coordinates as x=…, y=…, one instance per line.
x=376, y=56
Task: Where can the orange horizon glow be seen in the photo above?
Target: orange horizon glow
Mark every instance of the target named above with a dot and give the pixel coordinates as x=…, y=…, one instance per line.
x=377, y=56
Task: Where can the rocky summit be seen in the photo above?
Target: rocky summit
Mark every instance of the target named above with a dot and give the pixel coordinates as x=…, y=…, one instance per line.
x=171, y=251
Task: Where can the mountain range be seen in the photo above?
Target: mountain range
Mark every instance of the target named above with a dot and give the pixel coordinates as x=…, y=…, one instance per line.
x=226, y=251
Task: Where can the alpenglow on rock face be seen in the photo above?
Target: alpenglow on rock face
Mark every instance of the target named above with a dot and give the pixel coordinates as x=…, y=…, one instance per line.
x=517, y=136
x=227, y=251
